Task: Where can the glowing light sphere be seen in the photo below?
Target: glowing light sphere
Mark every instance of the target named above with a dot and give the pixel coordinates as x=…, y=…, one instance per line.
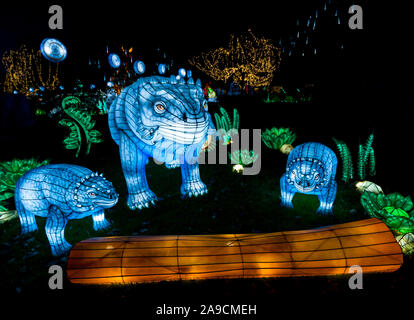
x=189, y=73
x=31, y=89
x=15, y=92
x=160, y=117
x=110, y=84
x=61, y=87
x=92, y=86
x=114, y=60
x=310, y=169
x=161, y=68
x=53, y=50
x=139, y=67
x=59, y=193
x=182, y=72
x=42, y=88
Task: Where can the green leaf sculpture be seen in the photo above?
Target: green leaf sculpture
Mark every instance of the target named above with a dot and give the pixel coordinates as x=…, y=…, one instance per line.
x=276, y=138
x=80, y=121
x=394, y=209
x=243, y=157
x=366, y=152
x=366, y=158
x=225, y=127
x=10, y=172
x=347, y=165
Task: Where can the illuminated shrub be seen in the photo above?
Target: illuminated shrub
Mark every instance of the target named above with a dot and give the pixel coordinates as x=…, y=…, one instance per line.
x=394, y=209
x=279, y=139
x=366, y=158
x=242, y=158
x=10, y=173
x=406, y=243
x=226, y=128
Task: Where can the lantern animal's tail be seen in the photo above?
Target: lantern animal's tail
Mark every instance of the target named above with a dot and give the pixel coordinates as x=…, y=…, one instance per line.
x=323, y=251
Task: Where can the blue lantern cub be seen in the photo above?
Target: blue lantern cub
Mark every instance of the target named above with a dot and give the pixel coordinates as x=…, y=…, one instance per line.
x=310, y=169
x=62, y=192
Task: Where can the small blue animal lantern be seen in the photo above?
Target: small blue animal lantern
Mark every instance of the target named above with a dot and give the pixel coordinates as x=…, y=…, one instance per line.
x=59, y=193
x=310, y=169
x=166, y=119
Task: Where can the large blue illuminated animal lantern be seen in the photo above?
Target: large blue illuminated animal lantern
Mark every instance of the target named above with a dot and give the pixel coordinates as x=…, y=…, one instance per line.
x=166, y=119
x=62, y=192
x=310, y=169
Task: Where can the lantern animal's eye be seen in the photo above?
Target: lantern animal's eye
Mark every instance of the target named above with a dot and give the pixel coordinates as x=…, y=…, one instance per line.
x=317, y=177
x=205, y=105
x=159, y=107
x=92, y=194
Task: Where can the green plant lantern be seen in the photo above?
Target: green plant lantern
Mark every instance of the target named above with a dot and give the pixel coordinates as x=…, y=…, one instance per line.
x=79, y=122
x=279, y=138
x=394, y=209
x=10, y=172
x=226, y=128
x=241, y=158
x=406, y=243
x=365, y=163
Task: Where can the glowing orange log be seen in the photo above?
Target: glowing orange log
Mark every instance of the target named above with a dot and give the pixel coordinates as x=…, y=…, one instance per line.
x=323, y=251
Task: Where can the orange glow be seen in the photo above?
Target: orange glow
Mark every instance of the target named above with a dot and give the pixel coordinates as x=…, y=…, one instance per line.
x=323, y=251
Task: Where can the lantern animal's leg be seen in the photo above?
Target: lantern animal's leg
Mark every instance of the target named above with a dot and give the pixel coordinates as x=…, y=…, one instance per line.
x=99, y=221
x=27, y=218
x=287, y=193
x=55, y=231
x=192, y=184
x=327, y=198
x=133, y=165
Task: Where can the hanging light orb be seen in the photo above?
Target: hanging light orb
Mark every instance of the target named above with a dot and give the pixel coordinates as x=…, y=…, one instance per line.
x=139, y=67
x=182, y=72
x=161, y=68
x=114, y=60
x=53, y=50
x=189, y=73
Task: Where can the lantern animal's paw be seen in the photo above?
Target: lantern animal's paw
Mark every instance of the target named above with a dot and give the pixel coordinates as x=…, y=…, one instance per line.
x=325, y=209
x=193, y=189
x=61, y=248
x=286, y=204
x=99, y=222
x=141, y=200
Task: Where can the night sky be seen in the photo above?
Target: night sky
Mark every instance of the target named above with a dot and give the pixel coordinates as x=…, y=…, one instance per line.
x=368, y=67
x=183, y=30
